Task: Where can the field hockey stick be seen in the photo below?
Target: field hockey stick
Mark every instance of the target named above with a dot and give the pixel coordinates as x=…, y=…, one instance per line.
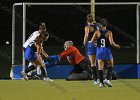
x=129, y=46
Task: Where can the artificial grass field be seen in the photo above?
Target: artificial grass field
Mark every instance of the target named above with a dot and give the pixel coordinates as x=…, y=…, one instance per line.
x=124, y=89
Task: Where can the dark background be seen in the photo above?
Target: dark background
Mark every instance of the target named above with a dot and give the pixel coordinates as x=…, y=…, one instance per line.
x=66, y=26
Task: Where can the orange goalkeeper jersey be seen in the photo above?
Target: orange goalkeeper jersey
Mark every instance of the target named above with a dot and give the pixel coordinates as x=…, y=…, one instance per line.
x=72, y=54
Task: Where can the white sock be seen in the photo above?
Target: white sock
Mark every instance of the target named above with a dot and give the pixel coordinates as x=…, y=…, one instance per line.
x=38, y=70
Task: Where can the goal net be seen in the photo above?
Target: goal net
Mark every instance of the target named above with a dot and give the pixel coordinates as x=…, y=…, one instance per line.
x=66, y=21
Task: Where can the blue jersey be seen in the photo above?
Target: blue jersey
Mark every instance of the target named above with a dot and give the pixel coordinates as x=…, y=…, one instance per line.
x=102, y=41
x=103, y=50
x=90, y=34
x=90, y=48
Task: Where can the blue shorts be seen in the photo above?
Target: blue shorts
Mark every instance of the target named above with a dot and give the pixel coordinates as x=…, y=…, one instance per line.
x=29, y=54
x=90, y=49
x=103, y=54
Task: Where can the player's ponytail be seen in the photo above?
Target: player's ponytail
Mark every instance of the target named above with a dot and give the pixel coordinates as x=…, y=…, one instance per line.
x=90, y=18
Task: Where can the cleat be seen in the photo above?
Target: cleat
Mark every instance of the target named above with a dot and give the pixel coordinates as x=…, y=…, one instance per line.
x=95, y=82
x=39, y=77
x=108, y=83
x=101, y=85
x=24, y=76
x=47, y=79
x=98, y=81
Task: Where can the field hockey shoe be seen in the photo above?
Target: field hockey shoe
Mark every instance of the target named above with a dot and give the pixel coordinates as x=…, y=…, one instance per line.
x=95, y=82
x=101, y=85
x=47, y=79
x=108, y=83
x=24, y=76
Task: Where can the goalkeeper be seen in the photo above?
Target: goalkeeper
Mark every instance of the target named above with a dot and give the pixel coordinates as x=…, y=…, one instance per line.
x=82, y=68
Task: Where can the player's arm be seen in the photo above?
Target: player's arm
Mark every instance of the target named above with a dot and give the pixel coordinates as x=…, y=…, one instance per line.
x=65, y=53
x=86, y=35
x=112, y=41
x=94, y=36
x=43, y=52
x=38, y=46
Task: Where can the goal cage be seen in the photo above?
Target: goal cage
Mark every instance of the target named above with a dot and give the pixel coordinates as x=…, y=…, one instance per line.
x=66, y=21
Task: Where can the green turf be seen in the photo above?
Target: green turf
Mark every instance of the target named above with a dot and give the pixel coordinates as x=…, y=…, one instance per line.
x=68, y=90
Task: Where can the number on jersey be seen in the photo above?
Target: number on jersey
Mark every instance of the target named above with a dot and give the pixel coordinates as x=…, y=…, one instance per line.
x=103, y=43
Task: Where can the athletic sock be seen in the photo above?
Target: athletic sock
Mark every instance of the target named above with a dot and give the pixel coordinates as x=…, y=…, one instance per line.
x=94, y=72
x=43, y=72
x=38, y=70
x=30, y=68
x=109, y=73
x=101, y=76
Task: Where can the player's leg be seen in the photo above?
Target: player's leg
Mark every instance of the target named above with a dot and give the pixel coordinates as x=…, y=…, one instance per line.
x=109, y=69
x=77, y=76
x=86, y=67
x=27, y=70
x=38, y=70
x=93, y=67
x=76, y=70
x=101, y=67
x=109, y=73
x=91, y=51
x=44, y=75
x=109, y=59
x=31, y=73
x=77, y=73
x=29, y=55
x=47, y=77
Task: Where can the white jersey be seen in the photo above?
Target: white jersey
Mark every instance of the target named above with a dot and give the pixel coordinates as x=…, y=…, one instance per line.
x=31, y=39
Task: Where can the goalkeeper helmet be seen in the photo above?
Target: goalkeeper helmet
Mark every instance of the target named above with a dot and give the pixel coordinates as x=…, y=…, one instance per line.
x=67, y=44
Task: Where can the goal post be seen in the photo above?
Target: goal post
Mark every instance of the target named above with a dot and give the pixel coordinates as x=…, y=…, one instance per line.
x=93, y=9
x=24, y=31
x=138, y=32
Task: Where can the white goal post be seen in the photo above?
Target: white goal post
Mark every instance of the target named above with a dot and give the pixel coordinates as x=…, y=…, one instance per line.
x=107, y=3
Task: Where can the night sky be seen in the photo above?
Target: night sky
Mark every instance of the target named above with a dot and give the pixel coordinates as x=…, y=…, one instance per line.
x=6, y=15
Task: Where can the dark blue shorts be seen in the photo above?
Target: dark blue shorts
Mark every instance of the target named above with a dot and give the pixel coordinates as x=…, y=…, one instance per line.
x=90, y=49
x=103, y=54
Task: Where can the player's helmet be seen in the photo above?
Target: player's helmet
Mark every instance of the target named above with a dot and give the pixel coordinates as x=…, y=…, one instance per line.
x=67, y=43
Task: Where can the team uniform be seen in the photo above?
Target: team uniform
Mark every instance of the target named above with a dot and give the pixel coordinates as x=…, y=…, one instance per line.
x=104, y=39
x=30, y=54
x=103, y=47
x=104, y=53
x=76, y=59
x=90, y=48
x=29, y=48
